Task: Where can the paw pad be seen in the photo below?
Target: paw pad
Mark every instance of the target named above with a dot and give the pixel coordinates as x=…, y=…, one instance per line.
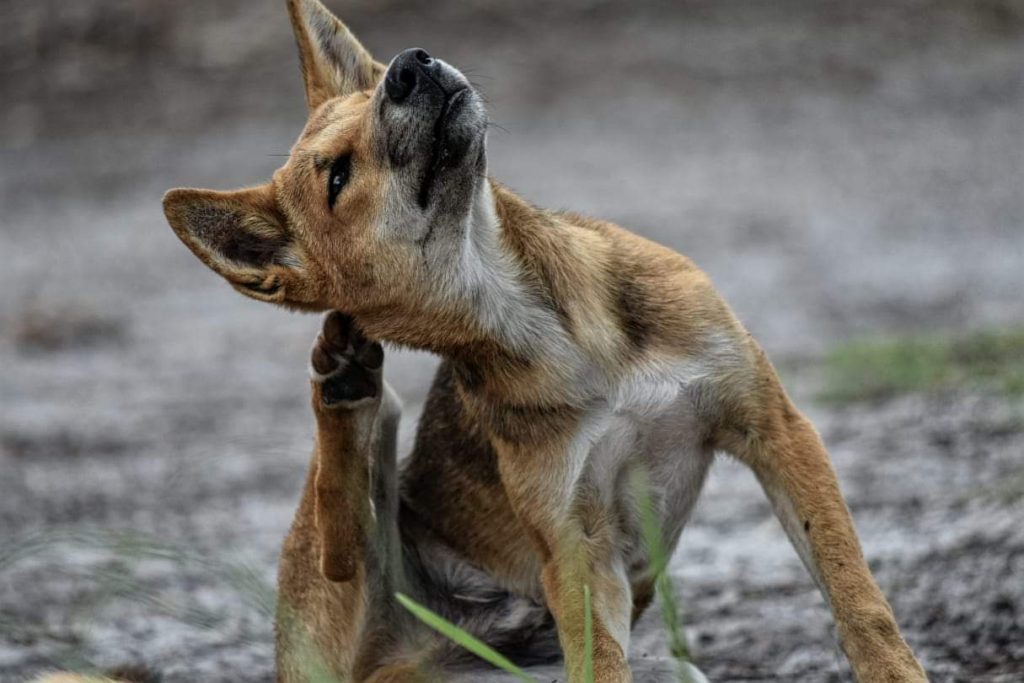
x=345, y=364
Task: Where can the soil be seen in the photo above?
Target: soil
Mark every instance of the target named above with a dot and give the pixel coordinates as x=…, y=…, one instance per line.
x=840, y=169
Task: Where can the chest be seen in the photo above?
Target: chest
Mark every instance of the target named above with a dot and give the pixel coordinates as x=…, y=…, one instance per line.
x=652, y=420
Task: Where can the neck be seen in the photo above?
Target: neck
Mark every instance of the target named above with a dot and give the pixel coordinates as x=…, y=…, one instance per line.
x=488, y=295
x=500, y=272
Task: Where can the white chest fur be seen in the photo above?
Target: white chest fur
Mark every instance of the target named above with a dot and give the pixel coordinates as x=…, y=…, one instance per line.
x=650, y=422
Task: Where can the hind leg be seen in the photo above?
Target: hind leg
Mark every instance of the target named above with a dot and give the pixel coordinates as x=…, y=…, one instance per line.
x=342, y=559
x=355, y=490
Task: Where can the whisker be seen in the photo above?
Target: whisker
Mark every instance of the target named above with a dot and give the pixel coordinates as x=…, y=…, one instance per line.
x=307, y=152
x=495, y=124
x=480, y=93
x=476, y=74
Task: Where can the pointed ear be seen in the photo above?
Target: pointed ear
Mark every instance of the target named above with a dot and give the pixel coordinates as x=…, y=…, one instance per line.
x=333, y=61
x=241, y=236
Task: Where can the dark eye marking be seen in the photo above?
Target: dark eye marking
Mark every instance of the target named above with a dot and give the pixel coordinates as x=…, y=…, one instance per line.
x=338, y=177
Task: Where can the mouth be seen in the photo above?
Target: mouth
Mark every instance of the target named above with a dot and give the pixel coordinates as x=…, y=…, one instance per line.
x=443, y=150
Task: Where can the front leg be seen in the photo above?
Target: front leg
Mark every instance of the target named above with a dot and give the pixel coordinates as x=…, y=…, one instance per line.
x=574, y=533
x=790, y=461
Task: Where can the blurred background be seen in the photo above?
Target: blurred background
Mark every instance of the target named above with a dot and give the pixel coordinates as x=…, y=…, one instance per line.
x=851, y=175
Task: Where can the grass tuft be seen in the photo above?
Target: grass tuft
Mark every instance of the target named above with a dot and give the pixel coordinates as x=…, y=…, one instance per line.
x=118, y=582
x=879, y=368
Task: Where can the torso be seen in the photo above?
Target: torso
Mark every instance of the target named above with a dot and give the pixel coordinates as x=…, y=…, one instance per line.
x=657, y=418
x=623, y=374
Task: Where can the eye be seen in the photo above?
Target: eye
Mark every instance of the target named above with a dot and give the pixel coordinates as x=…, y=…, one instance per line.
x=338, y=178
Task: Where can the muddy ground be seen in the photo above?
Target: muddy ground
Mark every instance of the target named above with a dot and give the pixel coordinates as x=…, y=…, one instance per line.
x=840, y=169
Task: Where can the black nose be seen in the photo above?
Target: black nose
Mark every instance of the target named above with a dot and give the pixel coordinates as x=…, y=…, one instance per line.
x=411, y=69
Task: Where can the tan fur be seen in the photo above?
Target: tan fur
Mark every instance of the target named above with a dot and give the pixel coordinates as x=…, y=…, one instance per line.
x=495, y=478
x=126, y=675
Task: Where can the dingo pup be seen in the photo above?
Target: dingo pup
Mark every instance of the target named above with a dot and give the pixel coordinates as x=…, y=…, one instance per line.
x=575, y=353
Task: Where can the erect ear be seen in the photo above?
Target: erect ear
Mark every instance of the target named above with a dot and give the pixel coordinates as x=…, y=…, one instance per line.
x=334, y=63
x=240, y=235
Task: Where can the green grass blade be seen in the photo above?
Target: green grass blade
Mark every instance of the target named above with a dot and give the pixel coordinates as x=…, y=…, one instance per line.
x=588, y=637
x=653, y=538
x=659, y=564
x=461, y=638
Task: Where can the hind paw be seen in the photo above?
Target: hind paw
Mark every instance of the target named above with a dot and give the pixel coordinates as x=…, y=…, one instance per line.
x=345, y=366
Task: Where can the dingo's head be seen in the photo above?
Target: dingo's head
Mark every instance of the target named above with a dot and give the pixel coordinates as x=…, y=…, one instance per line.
x=386, y=173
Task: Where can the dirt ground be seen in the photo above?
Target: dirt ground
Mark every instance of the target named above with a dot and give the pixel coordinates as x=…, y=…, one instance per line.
x=840, y=169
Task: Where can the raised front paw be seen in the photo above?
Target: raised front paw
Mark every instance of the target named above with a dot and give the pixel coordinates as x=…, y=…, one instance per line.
x=345, y=366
